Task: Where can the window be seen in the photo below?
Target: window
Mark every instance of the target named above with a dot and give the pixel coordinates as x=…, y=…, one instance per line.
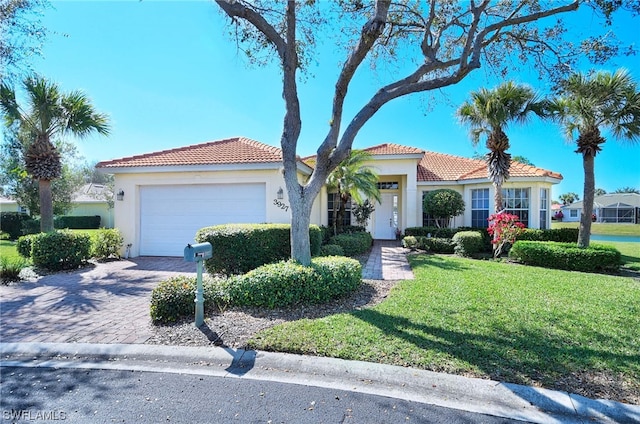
x=544, y=207
x=479, y=207
x=573, y=213
x=427, y=220
x=516, y=202
x=334, y=201
x=388, y=185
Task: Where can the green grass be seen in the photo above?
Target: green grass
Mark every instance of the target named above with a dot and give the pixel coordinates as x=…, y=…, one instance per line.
x=489, y=319
x=604, y=228
x=630, y=253
x=8, y=249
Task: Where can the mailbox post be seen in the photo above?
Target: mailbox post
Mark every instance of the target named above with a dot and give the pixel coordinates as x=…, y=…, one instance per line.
x=198, y=253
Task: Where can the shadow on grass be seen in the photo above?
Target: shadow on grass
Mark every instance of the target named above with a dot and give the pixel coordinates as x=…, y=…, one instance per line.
x=438, y=261
x=525, y=356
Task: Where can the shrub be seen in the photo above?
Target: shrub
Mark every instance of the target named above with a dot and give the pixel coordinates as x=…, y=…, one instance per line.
x=77, y=222
x=60, y=249
x=238, y=248
x=561, y=235
x=106, y=243
x=568, y=256
x=331, y=250
x=504, y=229
x=353, y=244
x=10, y=268
x=288, y=283
x=31, y=226
x=437, y=232
x=443, y=204
x=174, y=298
x=468, y=243
x=435, y=244
x=23, y=245
x=410, y=242
x=11, y=223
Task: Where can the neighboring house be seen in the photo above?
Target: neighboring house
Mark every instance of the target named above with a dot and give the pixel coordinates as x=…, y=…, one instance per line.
x=167, y=196
x=10, y=205
x=94, y=199
x=90, y=200
x=615, y=207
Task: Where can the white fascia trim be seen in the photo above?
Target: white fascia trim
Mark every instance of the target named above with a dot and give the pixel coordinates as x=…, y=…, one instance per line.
x=405, y=156
x=438, y=183
x=191, y=168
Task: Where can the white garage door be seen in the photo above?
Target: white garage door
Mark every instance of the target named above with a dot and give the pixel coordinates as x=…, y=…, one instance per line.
x=170, y=216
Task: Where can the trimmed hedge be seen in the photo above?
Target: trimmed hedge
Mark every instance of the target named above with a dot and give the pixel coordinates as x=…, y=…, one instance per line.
x=276, y=285
x=11, y=223
x=430, y=244
x=327, y=232
x=468, y=243
x=435, y=232
x=288, y=283
x=353, y=244
x=106, y=243
x=568, y=256
x=77, y=222
x=239, y=248
x=561, y=235
x=60, y=249
x=23, y=245
x=174, y=298
x=331, y=250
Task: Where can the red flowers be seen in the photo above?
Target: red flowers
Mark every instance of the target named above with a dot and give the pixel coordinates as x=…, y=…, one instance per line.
x=504, y=228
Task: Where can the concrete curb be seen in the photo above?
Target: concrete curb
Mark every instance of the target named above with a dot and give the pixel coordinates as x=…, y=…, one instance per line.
x=468, y=394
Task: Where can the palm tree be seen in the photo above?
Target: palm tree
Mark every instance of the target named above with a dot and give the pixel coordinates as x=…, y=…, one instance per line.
x=352, y=180
x=587, y=105
x=49, y=114
x=488, y=113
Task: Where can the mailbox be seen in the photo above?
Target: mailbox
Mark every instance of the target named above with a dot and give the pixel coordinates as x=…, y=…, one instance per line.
x=198, y=252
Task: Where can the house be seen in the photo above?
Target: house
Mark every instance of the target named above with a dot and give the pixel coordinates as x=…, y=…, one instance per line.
x=89, y=200
x=615, y=207
x=166, y=196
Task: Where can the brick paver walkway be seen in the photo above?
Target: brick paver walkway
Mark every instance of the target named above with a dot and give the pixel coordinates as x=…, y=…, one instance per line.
x=109, y=302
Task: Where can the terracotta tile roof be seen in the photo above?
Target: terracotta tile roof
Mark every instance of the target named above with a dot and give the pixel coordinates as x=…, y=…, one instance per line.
x=442, y=167
x=392, y=149
x=237, y=150
x=380, y=149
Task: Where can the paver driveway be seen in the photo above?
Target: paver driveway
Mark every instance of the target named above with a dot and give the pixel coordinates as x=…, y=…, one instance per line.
x=103, y=303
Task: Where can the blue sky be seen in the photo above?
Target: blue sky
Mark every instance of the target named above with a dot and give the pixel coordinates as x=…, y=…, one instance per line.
x=169, y=76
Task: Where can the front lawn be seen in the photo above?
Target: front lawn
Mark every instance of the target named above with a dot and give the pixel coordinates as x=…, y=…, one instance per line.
x=603, y=228
x=8, y=249
x=562, y=330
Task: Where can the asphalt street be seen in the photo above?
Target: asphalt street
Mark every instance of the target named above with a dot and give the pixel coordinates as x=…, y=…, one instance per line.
x=118, y=396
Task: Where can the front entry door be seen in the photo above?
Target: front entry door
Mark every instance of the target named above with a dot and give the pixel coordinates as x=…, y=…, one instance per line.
x=386, y=217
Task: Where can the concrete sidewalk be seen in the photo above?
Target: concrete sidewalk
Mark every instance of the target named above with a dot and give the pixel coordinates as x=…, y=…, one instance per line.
x=513, y=401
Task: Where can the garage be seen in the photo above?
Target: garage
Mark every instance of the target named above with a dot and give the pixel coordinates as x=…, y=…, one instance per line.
x=170, y=215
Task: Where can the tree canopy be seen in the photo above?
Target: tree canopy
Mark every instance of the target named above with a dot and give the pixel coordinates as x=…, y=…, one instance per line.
x=435, y=44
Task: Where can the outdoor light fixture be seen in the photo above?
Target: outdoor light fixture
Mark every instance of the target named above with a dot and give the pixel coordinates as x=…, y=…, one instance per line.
x=280, y=194
x=120, y=195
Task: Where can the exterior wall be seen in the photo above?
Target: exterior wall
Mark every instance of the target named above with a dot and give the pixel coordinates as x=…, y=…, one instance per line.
x=464, y=220
x=9, y=206
x=92, y=209
x=127, y=211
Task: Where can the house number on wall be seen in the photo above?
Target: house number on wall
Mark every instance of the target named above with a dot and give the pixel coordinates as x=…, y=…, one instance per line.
x=280, y=205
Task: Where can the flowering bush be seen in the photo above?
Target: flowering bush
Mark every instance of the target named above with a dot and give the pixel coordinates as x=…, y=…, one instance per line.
x=504, y=228
x=559, y=215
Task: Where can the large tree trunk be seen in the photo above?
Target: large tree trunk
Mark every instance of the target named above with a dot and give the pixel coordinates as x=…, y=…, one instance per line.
x=46, y=206
x=584, y=234
x=301, y=203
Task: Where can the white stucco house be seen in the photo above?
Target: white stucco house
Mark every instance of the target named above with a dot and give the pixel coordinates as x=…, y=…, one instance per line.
x=614, y=207
x=89, y=200
x=164, y=197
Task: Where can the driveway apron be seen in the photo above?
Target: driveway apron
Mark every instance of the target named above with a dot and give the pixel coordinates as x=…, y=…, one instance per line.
x=103, y=303
x=109, y=302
